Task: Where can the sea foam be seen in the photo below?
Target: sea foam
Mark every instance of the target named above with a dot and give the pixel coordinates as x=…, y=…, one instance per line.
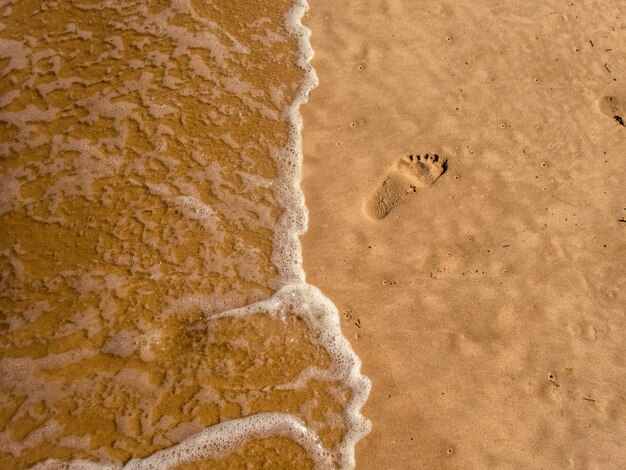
x=292, y=295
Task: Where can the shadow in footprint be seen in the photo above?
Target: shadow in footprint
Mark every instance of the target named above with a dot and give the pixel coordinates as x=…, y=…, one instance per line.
x=405, y=177
x=613, y=107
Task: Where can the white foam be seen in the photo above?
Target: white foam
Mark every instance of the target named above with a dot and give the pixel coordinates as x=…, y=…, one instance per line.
x=287, y=256
x=217, y=441
x=322, y=315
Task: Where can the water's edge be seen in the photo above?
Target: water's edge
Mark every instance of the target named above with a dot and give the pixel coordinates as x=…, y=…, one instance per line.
x=294, y=293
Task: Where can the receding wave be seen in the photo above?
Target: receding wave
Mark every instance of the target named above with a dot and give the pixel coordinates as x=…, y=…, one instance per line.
x=153, y=307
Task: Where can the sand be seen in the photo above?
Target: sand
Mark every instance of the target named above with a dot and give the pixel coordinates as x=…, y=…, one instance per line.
x=488, y=306
x=463, y=170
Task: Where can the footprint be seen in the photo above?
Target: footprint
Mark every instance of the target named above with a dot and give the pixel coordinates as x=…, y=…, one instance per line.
x=405, y=177
x=613, y=107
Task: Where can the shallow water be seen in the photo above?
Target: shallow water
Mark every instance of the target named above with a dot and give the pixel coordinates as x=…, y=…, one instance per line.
x=150, y=166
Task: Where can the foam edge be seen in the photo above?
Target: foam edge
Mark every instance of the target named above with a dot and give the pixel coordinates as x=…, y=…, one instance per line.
x=293, y=222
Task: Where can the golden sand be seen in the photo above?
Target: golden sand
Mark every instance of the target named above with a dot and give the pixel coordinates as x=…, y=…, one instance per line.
x=488, y=308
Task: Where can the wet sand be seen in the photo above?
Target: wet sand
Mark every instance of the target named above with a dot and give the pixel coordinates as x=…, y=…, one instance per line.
x=149, y=170
x=488, y=306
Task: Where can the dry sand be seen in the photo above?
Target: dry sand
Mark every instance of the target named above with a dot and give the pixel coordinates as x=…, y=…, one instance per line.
x=488, y=307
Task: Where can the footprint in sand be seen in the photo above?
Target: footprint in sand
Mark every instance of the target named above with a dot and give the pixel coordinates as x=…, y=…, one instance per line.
x=614, y=107
x=405, y=177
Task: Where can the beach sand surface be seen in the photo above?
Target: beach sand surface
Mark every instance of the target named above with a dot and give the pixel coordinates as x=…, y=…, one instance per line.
x=487, y=302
